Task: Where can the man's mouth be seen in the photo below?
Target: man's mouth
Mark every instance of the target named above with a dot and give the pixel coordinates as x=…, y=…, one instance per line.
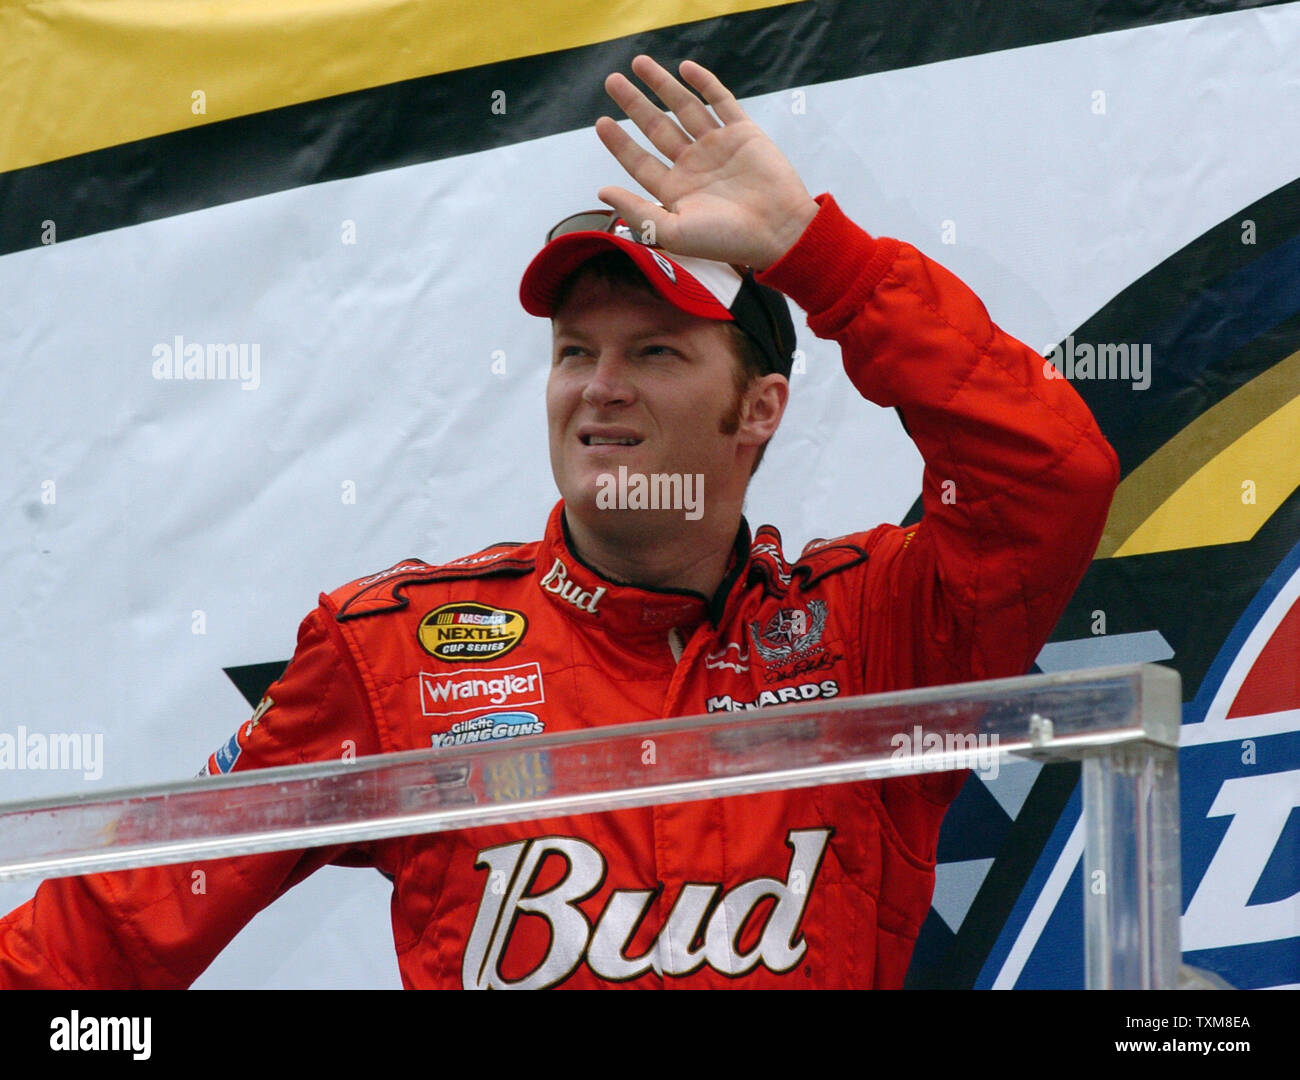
x=608, y=440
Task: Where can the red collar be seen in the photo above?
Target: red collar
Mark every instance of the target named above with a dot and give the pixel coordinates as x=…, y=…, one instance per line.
x=583, y=593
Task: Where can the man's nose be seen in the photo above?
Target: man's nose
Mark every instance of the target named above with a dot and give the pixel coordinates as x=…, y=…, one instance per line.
x=610, y=383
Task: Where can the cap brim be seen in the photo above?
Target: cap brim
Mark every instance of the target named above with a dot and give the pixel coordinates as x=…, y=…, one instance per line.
x=669, y=276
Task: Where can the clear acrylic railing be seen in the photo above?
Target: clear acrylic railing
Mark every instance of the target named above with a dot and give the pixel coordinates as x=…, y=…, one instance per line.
x=1121, y=722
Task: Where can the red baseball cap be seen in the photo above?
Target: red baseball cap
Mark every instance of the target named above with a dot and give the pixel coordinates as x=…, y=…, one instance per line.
x=702, y=287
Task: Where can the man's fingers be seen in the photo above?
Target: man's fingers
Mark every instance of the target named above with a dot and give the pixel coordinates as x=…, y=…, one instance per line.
x=692, y=113
x=659, y=128
x=642, y=216
x=711, y=89
x=646, y=169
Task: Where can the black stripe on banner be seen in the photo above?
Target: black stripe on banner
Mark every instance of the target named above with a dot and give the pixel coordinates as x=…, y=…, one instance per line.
x=445, y=115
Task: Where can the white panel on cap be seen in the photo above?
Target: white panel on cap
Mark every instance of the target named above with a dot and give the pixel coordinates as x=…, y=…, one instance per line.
x=719, y=278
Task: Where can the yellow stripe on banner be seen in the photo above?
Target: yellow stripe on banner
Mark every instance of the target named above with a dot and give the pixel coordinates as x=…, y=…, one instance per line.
x=80, y=75
x=1152, y=483
x=1147, y=494
x=1229, y=498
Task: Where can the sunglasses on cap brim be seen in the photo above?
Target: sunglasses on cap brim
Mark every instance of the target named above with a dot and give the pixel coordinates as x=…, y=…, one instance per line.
x=606, y=221
x=609, y=221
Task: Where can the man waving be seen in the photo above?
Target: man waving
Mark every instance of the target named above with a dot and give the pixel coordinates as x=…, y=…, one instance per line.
x=648, y=596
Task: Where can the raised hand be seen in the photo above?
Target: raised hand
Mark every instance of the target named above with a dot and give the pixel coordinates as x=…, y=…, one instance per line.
x=729, y=194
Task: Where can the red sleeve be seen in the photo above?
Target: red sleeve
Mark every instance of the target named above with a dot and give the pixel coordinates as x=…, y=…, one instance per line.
x=1018, y=478
x=159, y=927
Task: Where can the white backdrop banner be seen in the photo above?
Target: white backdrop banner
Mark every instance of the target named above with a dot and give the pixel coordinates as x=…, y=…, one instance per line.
x=370, y=388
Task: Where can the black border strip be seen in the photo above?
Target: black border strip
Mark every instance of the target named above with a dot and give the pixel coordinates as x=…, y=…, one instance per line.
x=445, y=115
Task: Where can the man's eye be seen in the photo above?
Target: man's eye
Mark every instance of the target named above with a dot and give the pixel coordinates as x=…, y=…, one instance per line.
x=569, y=350
x=659, y=350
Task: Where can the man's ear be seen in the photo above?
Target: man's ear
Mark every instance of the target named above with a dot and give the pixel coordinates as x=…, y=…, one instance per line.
x=764, y=405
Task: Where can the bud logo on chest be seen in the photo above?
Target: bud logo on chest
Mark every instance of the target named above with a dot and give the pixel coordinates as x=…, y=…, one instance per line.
x=557, y=581
x=702, y=929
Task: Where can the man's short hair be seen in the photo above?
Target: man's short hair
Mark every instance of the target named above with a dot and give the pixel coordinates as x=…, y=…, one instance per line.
x=616, y=270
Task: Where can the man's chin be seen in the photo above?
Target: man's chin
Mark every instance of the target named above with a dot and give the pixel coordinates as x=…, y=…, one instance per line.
x=622, y=500
x=631, y=525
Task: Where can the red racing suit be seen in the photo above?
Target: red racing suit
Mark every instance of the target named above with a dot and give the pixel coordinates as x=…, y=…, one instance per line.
x=819, y=887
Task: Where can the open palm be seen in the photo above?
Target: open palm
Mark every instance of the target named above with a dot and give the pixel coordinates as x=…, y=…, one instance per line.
x=729, y=194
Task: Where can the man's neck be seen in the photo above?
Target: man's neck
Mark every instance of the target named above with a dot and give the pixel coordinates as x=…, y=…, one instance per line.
x=694, y=555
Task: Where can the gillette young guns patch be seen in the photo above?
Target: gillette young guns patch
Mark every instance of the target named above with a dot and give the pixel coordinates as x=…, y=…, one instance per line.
x=465, y=631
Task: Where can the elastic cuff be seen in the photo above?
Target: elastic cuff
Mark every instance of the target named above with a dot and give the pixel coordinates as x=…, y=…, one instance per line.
x=829, y=261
